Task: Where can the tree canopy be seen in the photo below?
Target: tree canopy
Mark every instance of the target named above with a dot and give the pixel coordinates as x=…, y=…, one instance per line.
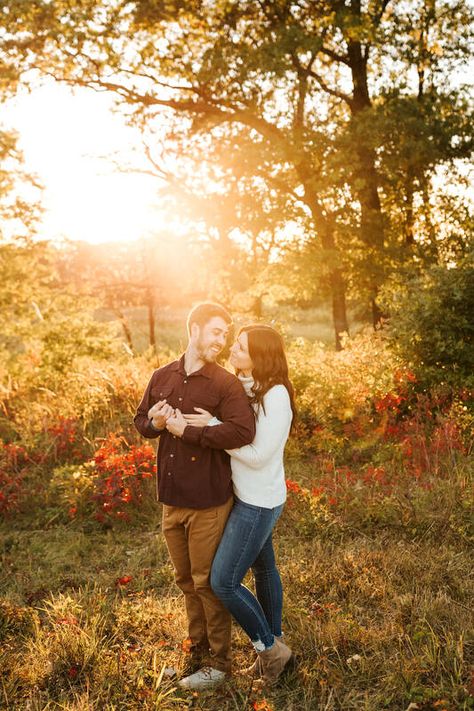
x=336, y=117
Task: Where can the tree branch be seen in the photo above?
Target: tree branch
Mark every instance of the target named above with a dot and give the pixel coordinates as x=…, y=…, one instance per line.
x=328, y=90
x=335, y=56
x=155, y=80
x=378, y=16
x=302, y=73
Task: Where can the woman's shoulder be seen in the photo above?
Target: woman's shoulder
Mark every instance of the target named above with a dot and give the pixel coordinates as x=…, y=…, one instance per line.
x=276, y=394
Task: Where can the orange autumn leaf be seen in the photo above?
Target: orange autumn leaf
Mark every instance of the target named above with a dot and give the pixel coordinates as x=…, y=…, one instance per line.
x=186, y=645
x=261, y=705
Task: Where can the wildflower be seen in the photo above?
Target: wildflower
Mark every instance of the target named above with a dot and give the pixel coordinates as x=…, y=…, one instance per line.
x=317, y=609
x=261, y=705
x=73, y=671
x=124, y=580
x=292, y=486
x=143, y=694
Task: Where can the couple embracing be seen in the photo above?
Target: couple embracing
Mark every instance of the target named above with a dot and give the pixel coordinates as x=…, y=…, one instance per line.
x=222, y=485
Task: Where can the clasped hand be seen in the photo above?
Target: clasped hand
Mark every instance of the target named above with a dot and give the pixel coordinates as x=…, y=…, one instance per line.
x=177, y=423
x=164, y=416
x=160, y=413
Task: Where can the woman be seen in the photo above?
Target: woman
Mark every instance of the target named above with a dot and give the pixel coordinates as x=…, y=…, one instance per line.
x=260, y=492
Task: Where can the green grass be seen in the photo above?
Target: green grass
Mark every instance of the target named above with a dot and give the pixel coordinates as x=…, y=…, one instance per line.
x=377, y=621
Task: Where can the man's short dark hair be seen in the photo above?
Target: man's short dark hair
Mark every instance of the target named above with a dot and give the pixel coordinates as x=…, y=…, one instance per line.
x=203, y=313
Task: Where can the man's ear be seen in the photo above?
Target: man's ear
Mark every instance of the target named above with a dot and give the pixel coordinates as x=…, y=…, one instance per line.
x=195, y=331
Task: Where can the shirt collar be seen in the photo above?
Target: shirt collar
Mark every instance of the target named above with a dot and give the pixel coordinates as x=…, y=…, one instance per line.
x=206, y=370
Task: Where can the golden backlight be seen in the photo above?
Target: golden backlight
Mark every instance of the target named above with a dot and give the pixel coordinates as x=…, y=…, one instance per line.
x=74, y=144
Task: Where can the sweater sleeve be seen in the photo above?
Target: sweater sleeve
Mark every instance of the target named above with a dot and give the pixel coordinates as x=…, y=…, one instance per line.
x=273, y=425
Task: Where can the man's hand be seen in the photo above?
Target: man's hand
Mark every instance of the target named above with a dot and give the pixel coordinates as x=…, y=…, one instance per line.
x=160, y=413
x=199, y=420
x=176, y=424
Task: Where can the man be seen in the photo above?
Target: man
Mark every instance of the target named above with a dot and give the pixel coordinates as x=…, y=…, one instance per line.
x=194, y=475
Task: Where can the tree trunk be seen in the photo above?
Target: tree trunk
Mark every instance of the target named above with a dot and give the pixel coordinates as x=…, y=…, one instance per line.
x=325, y=230
x=371, y=224
x=126, y=329
x=366, y=183
x=150, y=304
x=409, y=216
x=257, y=307
x=339, y=310
x=431, y=250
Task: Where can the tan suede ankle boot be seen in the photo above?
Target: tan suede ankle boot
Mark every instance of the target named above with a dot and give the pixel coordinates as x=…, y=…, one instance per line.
x=255, y=669
x=273, y=661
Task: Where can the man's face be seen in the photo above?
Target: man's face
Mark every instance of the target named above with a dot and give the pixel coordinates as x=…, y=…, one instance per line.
x=210, y=339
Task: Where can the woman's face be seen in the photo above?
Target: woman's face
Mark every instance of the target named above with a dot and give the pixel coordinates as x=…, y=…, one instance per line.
x=239, y=354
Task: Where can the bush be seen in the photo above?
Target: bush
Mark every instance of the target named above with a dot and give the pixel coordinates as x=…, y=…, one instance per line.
x=431, y=321
x=115, y=484
x=13, y=465
x=336, y=390
x=62, y=416
x=119, y=473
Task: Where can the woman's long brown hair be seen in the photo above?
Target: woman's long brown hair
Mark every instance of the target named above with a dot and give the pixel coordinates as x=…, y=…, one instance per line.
x=270, y=367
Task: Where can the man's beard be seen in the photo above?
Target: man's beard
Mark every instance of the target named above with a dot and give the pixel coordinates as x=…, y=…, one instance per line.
x=206, y=353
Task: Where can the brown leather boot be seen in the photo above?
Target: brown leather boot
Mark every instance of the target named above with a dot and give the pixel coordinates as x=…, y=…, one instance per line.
x=273, y=661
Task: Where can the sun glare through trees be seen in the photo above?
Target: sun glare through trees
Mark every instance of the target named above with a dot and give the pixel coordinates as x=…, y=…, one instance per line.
x=306, y=165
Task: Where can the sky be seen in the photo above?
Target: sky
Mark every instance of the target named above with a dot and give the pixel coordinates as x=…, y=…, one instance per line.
x=72, y=142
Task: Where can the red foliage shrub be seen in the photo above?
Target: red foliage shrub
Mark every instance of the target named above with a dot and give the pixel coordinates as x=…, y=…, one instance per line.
x=13, y=461
x=62, y=440
x=119, y=470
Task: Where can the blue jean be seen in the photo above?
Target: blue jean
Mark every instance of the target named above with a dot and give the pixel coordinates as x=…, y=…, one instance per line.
x=247, y=543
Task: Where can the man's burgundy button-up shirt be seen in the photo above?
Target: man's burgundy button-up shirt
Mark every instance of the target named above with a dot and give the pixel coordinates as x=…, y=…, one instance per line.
x=194, y=470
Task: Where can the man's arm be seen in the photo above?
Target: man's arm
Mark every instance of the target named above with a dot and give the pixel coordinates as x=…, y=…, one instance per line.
x=238, y=422
x=142, y=421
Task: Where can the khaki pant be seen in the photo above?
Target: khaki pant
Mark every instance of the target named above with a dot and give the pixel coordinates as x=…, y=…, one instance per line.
x=192, y=537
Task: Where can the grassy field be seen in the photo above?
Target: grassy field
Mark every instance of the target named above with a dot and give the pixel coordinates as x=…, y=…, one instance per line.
x=378, y=618
x=375, y=546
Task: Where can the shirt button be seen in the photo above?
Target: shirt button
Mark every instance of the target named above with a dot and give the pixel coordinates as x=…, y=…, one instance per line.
x=180, y=398
x=185, y=381
x=169, y=473
x=171, y=455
